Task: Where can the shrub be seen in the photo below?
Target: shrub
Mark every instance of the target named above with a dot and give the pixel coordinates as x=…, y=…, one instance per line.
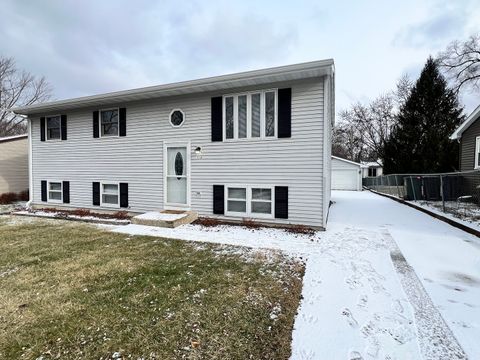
x=121, y=215
x=251, y=224
x=23, y=196
x=8, y=198
x=80, y=212
x=300, y=229
x=207, y=222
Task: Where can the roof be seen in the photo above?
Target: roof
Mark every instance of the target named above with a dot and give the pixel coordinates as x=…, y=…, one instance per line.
x=13, y=138
x=347, y=161
x=256, y=77
x=465, y=125
x=372, y=163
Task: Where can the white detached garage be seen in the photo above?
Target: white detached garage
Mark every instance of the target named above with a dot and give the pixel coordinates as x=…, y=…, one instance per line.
x=346, y=174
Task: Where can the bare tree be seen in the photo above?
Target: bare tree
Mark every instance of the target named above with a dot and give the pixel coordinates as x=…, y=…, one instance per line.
x=18, y=88
x=461, y=63
x=363, y=129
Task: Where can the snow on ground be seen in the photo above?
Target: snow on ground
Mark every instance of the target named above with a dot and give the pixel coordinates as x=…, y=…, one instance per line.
x=354, y=305
x=157, y=215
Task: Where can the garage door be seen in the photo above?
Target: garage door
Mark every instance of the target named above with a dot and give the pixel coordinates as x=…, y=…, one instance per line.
x=345, y=179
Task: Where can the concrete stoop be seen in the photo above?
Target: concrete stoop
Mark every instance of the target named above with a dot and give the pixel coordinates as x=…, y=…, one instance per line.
x=165, y=218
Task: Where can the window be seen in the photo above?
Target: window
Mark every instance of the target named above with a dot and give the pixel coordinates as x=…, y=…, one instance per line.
x=55, y=191
x=372, y=171
x=250, y=115
x=477, y=153
x=177, y=117
x=109, y=122
x=255, y=201
x=53, y=127
x=109, y=194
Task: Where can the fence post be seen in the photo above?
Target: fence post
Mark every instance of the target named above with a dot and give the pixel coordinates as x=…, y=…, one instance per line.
x=396, y=184
x=441, y=193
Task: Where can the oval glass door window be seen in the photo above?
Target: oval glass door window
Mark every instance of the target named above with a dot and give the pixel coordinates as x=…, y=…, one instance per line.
x=179, y=165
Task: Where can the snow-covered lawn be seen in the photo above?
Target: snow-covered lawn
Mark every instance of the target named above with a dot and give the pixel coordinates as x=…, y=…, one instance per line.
x=354, y=305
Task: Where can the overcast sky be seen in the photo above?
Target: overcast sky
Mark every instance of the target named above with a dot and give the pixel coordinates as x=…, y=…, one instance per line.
x=89, y=47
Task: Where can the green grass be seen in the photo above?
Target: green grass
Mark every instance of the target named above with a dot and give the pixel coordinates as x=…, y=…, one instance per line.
x=70, y=290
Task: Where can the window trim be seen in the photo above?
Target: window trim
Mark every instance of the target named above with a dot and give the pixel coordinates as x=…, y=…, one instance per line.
x=110, y=205
x=170, y=118
x=61, y=191
x=249, y=115
x=100, y=123
x=248, y=213
x=46, y=128
x=477, y=150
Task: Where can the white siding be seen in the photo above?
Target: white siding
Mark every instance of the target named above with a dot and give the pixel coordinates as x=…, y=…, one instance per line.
x=14, y=165
x=296, y=162
x=346, y=175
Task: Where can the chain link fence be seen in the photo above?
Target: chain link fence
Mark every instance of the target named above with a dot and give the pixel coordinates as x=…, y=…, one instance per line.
x=454, y=193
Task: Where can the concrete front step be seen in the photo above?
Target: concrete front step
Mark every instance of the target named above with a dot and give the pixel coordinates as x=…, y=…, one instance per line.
x=165, y=218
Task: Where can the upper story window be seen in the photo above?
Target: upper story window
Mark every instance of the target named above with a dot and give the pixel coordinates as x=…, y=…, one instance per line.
x=109, y=122
x=53, y=127
x=250, y=115
x=177, y=117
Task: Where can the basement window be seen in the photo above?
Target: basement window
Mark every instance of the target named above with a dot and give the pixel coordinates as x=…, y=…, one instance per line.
x=109, y=194
x=55, y=191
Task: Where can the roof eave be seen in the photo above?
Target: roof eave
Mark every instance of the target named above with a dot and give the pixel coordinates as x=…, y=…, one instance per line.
x=223, y=82
x=457, y=134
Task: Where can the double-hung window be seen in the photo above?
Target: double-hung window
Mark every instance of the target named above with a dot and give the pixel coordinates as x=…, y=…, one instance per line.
x=55, y=191
x=372, y=171
x=53, y=127
x=109, y=122
x=249, y=201
x=110, y=194
x=250, y=115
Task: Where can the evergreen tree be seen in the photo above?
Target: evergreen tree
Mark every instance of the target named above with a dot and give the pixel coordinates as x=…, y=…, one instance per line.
x=419, y=142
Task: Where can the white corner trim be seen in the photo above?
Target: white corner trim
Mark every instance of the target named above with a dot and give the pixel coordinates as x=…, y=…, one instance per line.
x=30, y=163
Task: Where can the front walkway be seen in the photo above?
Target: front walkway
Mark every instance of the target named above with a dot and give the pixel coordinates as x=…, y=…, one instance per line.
x=354, y=305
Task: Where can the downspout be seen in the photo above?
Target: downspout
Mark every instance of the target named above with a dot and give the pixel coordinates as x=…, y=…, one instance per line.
x=30, y=164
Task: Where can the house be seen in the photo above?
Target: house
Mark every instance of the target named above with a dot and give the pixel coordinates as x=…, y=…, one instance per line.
x=346, y=174
x=13, y=164
x=372, y=168
x=250, y=145
x=468, y=135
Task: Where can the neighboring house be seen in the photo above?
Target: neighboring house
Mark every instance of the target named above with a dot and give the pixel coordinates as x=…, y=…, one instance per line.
x=346, y=174
x=13, y=164
x=468, y=135
x=249, y=145
x=372, y=168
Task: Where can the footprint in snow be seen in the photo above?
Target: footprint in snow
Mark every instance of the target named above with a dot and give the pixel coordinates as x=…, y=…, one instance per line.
x=353, y=283
x=397, y=307
x=355, y=355
x=362, y=301
x=348, y=315
x=372, y=348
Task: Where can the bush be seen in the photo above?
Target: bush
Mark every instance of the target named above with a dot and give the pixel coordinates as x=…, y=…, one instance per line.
x=300, y=229
x=81, y=212
x=121, y=215
x=8, y=198
x=23, y=196
x=207, y=222
x=251, y=224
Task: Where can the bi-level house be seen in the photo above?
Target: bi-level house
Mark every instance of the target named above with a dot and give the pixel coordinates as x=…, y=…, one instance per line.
x=253, y=145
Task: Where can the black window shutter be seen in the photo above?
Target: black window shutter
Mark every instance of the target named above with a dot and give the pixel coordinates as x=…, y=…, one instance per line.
x=124, y=195
x=95, y=125
x=217, y=119
x=96, y=193
x=66, y=192
x=44, y=190
x=281, y=202
x=122, y=122
x=42, y=128
x=285, y=113
x=64, y=127
x=218, y=199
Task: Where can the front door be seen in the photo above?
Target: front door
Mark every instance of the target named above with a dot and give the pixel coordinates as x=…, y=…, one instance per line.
x=176, y=176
